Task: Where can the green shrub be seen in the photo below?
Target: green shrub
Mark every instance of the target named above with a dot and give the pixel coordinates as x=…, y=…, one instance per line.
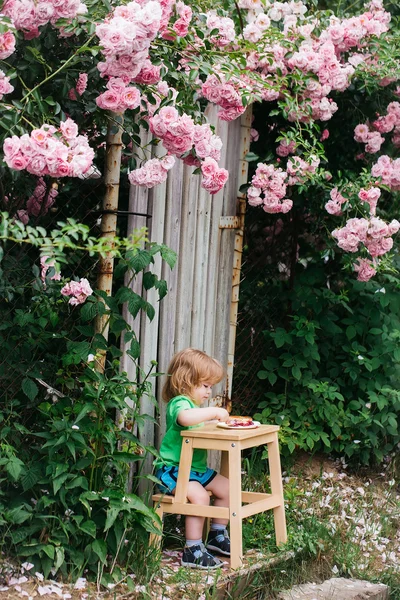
x=333, y=373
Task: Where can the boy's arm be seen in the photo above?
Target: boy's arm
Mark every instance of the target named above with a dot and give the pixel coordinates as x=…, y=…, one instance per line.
x=194, y=416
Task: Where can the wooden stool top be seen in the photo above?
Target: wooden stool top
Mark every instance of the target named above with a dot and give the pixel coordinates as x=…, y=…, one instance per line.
x=211, y=431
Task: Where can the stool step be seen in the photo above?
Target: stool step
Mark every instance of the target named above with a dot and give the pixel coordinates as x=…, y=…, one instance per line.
x=167, y=498
x=163, y=498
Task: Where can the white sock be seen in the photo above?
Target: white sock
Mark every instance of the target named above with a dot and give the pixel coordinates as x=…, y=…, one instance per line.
x=190, y=543
x=217, y=527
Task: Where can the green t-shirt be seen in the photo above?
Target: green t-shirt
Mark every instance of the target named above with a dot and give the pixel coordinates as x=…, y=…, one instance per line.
x=171, y=445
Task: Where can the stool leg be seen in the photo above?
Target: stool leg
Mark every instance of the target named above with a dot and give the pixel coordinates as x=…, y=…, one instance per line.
x=185, y=464
x=277, y=490
x=235, y=505
x=155, y=539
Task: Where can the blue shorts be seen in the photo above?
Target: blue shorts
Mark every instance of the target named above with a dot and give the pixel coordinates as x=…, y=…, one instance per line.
x=169, y=475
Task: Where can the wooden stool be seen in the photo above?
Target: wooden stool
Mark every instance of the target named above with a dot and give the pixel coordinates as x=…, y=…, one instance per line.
x=242, y=504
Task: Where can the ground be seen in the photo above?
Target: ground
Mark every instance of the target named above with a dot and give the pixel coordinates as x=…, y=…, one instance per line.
x=340, y=523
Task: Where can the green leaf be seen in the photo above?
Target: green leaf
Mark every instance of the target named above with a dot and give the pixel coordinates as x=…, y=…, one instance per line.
x=140, y=260
x=99, y=547
x=169, y=256
x=296, y=372
x=272, y=378
x=58, y=481
x=150, y=311
x=149, y=280
x=49, y=550
x=135, y=303
x=14, y=467
x=351, y=332
x=22, y=533
x=60, y=556
x=80, y=481
x=134, y=349
x=89, y=310
x=251, y=156
x=262, y=374
x=112, y=514
x=89, y=527
x=127, y=457
x=29, y=388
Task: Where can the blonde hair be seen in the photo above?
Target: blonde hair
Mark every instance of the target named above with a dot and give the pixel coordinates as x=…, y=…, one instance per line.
x=188, y=369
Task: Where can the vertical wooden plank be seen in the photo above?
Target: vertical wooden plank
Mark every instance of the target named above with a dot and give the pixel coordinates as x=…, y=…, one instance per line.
x=186, y=284
x=212, y=302
x=168, y=312
x=201, y=256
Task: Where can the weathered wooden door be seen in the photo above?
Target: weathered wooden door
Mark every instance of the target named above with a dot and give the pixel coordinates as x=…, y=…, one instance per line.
x=206, y=232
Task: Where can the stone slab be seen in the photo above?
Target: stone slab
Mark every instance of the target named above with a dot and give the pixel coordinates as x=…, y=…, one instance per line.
x=337, y=588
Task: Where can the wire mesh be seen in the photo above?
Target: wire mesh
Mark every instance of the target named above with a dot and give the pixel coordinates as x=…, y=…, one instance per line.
x=264, y=265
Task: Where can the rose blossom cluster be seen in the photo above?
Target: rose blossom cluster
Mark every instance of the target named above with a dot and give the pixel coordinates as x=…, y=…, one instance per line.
x=29, y=15
x=226, y=95
x=50, y=151
x=196, y=145
x=268, y=189
x=7, y=44
x=347, y=33
x=41, y=200
x=125, y=38
x=371, y=197
x=78, y=291
x=118, y=96
x=372, y=139
x=46, y=262
x=176, y=132
x=80, y=87
x=374, y=233
x=5, y=85
x=388, y=170
x=365, y=269
x=149, y=74
x=181, y=25
x=285, y=148
x=214, y=177
x=320, y=57
x=254, y=31
x=370, y=134
x=179, y=135
x=225, y=26
x=153, y=172
x=297, y=168
x=334, y=205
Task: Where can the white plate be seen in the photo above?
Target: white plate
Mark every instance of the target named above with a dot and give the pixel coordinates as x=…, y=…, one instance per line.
x=239, y=427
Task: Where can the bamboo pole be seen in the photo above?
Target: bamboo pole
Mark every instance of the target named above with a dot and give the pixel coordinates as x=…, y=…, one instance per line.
x=109, y=219
x=237, y=260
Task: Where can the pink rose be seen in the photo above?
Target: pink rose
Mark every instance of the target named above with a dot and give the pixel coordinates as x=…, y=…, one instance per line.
x=69, y=129
x=209, y=167
x=109, y=100
x=18, y=162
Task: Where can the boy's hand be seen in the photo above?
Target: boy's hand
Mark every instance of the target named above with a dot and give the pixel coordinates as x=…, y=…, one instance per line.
x=221, y=414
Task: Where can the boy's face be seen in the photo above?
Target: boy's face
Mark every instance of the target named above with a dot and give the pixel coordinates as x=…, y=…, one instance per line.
x=201, y=393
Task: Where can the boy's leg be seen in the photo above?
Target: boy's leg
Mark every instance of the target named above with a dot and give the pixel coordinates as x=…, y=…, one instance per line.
x=218, y=539
x=194, y=525
x=219, y=487
x=195, y=554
